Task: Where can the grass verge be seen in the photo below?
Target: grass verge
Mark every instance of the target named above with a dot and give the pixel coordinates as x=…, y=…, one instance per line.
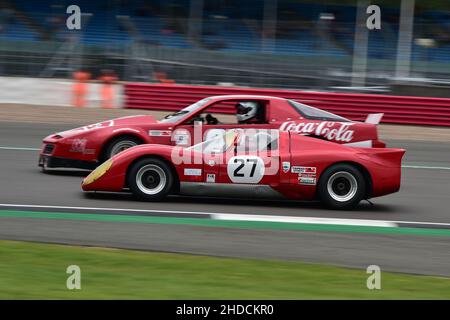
x=38, y=271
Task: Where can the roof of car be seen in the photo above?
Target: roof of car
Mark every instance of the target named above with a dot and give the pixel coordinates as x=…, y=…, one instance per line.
x=245, y=97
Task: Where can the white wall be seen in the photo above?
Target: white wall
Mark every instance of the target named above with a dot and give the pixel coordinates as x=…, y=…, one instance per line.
x=51, y=92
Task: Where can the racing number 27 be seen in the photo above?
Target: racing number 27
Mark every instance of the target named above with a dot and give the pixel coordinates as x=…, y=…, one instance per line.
x=242, y=163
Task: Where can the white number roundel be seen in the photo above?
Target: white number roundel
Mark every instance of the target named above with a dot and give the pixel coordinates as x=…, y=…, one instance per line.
x=245, y=169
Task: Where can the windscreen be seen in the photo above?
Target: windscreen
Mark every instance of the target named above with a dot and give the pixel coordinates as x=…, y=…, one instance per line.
x=184, y=113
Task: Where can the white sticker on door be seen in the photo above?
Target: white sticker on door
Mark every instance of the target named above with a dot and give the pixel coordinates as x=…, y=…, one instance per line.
x=245, y=169
x=192, y=172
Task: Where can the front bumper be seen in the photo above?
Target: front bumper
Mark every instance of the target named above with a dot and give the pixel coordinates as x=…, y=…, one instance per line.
x=47, y=161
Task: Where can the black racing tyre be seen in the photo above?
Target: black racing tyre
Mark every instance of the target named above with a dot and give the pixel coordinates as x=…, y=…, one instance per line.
x=44, y=169
x=150, y=179
x=341, y=186
x=118, y=145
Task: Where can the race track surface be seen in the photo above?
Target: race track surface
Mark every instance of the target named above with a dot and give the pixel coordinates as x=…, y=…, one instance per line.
x=423, y=199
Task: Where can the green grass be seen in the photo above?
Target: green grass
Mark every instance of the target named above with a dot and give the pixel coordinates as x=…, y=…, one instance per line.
x=38, y=271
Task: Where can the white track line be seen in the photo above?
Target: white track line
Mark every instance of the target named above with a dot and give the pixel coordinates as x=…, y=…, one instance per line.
x=245, y=217
x=19, y=148
x=308, y=220
x=426, y=167
x=424, y=223
x=98, y=209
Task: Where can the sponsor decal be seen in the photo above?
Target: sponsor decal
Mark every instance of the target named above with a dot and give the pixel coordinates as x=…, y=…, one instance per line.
x=192, y=172
x=286, y=166
x=78, y=145
x=159, y=133
x=104, y=124
x=307, y=181
x=297, y=169
x=306, y=175
x=211, y=163
x=337, y=131
x=210, y=177
x=181, y=137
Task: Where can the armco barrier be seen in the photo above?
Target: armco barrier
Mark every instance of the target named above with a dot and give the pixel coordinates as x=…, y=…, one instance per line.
x=396, y=109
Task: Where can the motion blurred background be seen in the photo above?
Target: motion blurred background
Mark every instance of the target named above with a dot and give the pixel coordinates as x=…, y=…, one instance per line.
x=162, y=55
x=300, y=44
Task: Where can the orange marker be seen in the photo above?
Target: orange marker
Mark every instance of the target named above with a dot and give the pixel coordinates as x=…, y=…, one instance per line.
x=80, y=88
x=107, y=90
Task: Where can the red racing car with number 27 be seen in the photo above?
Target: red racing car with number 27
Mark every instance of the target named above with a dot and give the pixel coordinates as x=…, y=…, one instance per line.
x=86, y=147
x=297, y=166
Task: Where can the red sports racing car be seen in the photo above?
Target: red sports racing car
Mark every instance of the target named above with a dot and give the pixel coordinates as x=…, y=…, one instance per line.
x=297, y=166
x=86, y=147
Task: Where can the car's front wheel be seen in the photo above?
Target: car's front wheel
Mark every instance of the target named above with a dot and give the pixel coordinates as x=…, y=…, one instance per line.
x=120, y=144
x=342, y=186
x=150, y=179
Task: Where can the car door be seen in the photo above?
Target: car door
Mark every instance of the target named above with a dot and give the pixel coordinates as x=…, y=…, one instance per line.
x=252, y=159
x=213, y=153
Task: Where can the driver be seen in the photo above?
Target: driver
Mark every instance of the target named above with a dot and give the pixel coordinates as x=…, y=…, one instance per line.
x=247, y=112
x=209, y=119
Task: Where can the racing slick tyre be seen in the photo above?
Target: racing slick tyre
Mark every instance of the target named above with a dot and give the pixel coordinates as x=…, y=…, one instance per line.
x=150, y=179
x=341, y=186
x=118, y=145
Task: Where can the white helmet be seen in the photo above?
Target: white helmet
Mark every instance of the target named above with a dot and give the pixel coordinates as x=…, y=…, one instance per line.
x=246, y=110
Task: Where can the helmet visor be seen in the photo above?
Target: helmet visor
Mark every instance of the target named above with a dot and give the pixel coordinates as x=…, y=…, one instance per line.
x=240, y=109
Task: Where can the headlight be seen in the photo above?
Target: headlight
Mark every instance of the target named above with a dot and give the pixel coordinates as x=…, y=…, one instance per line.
x=98, y=173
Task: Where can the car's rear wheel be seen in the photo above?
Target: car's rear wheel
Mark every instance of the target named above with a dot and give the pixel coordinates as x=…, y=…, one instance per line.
x=342, y=186
x=120, y=144
x=150, y=179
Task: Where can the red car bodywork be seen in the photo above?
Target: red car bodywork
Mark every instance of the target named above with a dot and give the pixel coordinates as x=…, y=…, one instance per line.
x=84, y=147
x=297, y=156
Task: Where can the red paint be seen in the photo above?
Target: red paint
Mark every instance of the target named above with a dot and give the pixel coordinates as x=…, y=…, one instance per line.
x=383, y=165
x=88, y=143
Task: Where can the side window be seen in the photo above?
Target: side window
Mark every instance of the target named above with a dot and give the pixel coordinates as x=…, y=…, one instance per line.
x=233, y=113
x=211, y=118
x=216, y=114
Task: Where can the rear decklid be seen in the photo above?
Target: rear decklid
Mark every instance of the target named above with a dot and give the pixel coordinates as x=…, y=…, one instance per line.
x=389, y=157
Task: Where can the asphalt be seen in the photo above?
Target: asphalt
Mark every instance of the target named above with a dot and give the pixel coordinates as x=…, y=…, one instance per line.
x=422, y=198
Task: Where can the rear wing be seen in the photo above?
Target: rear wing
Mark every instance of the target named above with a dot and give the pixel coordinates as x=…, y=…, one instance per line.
x=374, y=118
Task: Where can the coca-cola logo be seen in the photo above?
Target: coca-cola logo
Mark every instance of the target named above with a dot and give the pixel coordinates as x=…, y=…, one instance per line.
x=330, y=130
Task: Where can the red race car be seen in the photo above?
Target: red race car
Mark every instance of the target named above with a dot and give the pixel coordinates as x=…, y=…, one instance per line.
x=297, y=166
x=88, y=146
